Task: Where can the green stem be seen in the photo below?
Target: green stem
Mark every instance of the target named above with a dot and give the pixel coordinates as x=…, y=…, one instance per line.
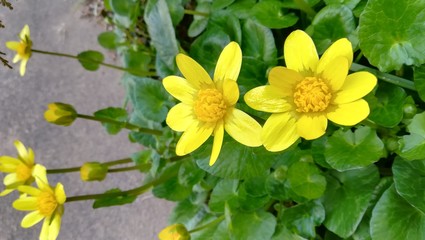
x=132, y=192
x=117, y=162
x=385, y=76
x=125, y=124
x=124, y=169
x=210, y=224
x=192, y=12
x=77, y=169
x=148, y=74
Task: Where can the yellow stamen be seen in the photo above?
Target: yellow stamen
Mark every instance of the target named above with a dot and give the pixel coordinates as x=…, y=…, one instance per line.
x=23, y=172
x=209, y=105
x=312, y=95
x=46, y=203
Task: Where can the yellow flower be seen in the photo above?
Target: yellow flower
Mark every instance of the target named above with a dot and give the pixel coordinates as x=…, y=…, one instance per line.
x=174, y=232
x=307, y=92
x=22, y=48
x=60, y=114
x=21, y=169
x=44, y=202
x=208, y=106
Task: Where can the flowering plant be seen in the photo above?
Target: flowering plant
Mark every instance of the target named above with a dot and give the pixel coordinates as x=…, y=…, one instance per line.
x=261, y=120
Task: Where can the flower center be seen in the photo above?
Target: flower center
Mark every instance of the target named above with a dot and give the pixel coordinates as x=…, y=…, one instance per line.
x=209, y=105
x=23, y=172
x=22, y=49
x=312, y=95
x=46, y=203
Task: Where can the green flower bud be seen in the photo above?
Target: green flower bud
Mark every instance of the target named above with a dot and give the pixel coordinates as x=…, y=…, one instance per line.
x=174, y=232
x=60, y=114
x=93, y=171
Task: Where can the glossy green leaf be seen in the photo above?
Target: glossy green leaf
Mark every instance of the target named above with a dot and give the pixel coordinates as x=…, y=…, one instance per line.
x=242, y=8
x=249, y=201
x=284, y=233
x=259, y=42
x=115, y=114
x=409, y=180
x=253, y=226
x=394, y=218
x=218, y=231
x=304, y=218
x=226, y=22
x=413, y=145
x=220, y=4
x=143, y=159
x=126, y=11
x=252, y=74
x=136, y=61
x=171, y=189
x=272, y=14
x=90, y=59
x=163, y=38
x=347, y=198
x=346, y=150
x=386, y=106
x=419, y=78
x=190, y=173
x=199, y=22
x=108, y=40
x=188, y=214
x=176, y=9
x=306, y=180
x=391, y=33
x=109, y=201
x=349, y=3
x=225, y=191
x=330, y=24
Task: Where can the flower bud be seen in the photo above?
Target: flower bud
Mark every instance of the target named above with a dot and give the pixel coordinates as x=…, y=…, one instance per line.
x=60, y=114
x=93, y=171
x=174, y=232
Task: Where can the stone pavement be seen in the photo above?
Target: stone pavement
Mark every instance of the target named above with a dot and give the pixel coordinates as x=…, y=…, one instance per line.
x=58, y=26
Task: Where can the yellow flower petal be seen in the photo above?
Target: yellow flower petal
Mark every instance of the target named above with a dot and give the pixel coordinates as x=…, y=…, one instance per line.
x=6, y=192
x=17, y=58
x=340, y=48
x=229, y=63
x=39, y=173
x=55, y=226
x=60, y=193
x=22, y=151
x=12, y=45
x=267, y=99
x=29, y=190
x=8, y=164
x=243, y=128
x=300, y=53
x=31, y=219
x=218, y=142
x=279, y=132
x=25, y=204
x=285, y=79
x=349, y=114
x=193, y=72
x=356, y=86
x=194, y=136
x=24, y=32
x=44, y=233
x=180, y=88
x=311, y=126
x=180, y=117
x=335, y=73
x=11, y=178
x=230, y=91
x=30, y=159
x=23, y=66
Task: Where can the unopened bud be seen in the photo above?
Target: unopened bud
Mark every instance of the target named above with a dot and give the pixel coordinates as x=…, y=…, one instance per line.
x=60, y=114
x=93, y=171
x=174, y=232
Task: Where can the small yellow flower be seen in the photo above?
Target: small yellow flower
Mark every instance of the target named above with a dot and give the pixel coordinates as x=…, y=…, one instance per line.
x=60, y=114
x=174, y=232
x=22, y=48
x=21, y=169
x=44, y=202
x=208, y=106
x=93, y=171
x=307, y=92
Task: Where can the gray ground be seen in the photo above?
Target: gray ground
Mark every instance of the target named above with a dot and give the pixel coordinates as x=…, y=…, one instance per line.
x=58, y=26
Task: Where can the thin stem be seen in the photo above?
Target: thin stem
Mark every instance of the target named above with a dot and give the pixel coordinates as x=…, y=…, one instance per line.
x=117, y=162
x=124, y=169
x=192, y=12
x=385, y=76
x=125, y=124
x=151, y=74
x=77, y=169
x=212, y=223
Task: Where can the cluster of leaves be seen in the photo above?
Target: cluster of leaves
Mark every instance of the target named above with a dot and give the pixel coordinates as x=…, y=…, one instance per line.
x=364, y=182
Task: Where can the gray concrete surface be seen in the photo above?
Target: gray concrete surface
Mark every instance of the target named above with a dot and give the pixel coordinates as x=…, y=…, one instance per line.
x=58, y=26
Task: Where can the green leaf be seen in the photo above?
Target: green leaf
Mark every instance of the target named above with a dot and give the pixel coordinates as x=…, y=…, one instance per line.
x=242, y=8
x=176, y=10
x=113, y=113
x=171, y=189
x=273, y=15
x=220, y=4
x=330, y=24
x=413, y=145
x=306, y=180
x=252, y=74
x=391, y=33
x=227, y=23
x=419, y=78
x=346, y=150
x=137, y=62
x=143, y=159
x=259, y=42
x=199, y=22
x=126, y=11
x=188, y=214
x=347, y=198
x=253, y=226
x=108, y=40
x=163, y=38
x=108, y=201
x=219, y=231
x=394, y=218
x=304, y=218
x=349, y=3
x=386, y=107
x=148, y=97
x=190, y=174
x=235, y=160
x=409, y=180
x=283, y=233
x=225, y=191
x=90, y=59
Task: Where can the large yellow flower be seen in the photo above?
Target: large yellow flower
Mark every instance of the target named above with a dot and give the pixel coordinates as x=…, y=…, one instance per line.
x=208, y=106
x=21, y=169
x=44, y=202
x=22, y=48
x=307, y=92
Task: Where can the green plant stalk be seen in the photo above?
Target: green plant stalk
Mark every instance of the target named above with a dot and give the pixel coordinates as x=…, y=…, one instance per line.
x=147, y=74
x=404, y=83
x=124, y=169
x=192, y=12
x=77, y=169
x=210, y=224
x=125, y=124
